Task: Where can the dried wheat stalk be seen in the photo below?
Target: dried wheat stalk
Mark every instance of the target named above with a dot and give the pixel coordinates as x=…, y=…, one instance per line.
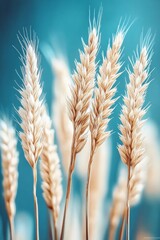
x=50, y=171
x=103, y=102
x=137, y=181
x=118, y=204
x=79, y=104
x=132, y=148
x=98, y=189
x=8, y=145
x=63, y=125
x=30, y=113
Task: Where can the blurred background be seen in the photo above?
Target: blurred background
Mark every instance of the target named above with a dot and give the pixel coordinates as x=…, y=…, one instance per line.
x=59, y=25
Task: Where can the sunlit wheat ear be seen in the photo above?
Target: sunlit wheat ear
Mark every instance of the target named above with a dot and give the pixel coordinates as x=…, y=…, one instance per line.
x=132, y=148
x=79, y=103
x=105, y=91
x=82, y=90
x=63, y=125
x=8, y=145
x=31, y=107
x=102, y=105
x=30, y=112
x=50, y=170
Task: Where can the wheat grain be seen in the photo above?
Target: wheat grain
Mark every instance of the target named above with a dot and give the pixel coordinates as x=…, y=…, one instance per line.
x=50, y=171
x=30, y=113
x=132, y=148
x=8, y=145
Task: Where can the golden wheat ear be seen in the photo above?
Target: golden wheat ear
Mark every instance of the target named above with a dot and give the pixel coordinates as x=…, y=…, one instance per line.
x=30, y=111
x=102, y=103
x=132, y=149
x=50, y=171
x=9, y=153
x=79, y=103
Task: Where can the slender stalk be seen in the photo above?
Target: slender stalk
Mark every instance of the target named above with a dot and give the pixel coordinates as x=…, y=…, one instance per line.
x=87, y=192
x=122, y=225
x=35, y=201
x=11, y=228
x=54, y=226
x=128, y=206
x=69, y=182
x=111, y=232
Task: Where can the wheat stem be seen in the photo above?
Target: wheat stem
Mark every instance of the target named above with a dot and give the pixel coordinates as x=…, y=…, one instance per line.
x=55, y=232
x=11, y=227
x=69, y=182
x=87, y=192
x=122, y=225
x=35, y=201
x=128, y=205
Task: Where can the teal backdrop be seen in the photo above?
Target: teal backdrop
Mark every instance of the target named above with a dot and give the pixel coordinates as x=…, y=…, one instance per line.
x=63, y=23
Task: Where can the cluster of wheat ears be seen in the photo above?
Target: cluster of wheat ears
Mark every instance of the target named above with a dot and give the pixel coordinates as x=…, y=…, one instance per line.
x=82, y=117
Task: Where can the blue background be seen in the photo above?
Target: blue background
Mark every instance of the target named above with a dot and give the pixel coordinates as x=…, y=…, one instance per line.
x=63, y=23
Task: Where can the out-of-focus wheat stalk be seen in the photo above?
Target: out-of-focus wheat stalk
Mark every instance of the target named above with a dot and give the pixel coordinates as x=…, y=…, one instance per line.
x=8, y=145
x=63, y=125
x=30, y=112
x=150, y=131
x=98, y=189
x=79, y=103
x=50, y=171
x=102, y=104
x=118, y=203
x=132, y=148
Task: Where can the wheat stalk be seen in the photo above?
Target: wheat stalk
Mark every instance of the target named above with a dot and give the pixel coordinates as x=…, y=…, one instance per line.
x=9, y=154
x=132, y=148
x=103, y=102
x=63, y=125
x=30, y=113
x=50, y=171
x=118, y=204
x=81, y=94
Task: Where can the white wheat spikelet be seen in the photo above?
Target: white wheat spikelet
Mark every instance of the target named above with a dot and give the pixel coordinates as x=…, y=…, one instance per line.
x=82, y=90
x=30, y=112
x=79, y=104
x=31, y=107
x=62, y=123
x=105, y=91
x=50, y=169
x=132, y=150
x=8, y=145
x=102, y=104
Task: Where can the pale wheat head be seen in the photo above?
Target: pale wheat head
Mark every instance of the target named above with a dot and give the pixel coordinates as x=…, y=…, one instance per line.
x=50, y=168
x=31, y=105
x=132, y=148
x=105, y=91
x=82, y=89
x=62, y=123
x=8, y=145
